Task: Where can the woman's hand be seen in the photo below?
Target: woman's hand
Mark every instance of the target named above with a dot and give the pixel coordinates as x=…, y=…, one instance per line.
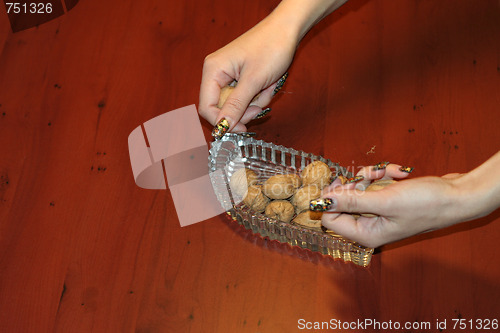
x=409, y=207
x=257, y=60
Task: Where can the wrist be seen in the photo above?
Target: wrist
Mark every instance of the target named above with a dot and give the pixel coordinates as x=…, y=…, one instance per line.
x=464, y=199
x=475, y=195
x=299, y=16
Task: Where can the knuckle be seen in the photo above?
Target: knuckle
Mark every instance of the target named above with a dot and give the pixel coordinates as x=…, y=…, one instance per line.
x=351, y=203
x=209, y=62
x=209, y=58
x=203, y=112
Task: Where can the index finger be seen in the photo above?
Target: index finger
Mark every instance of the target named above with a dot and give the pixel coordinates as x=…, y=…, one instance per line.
x=210, y=91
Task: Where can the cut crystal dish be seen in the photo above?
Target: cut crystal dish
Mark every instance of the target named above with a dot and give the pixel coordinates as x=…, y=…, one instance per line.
x=234, y=151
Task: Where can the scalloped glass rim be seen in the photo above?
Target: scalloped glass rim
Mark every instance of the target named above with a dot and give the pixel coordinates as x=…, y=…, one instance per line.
x=268, y=159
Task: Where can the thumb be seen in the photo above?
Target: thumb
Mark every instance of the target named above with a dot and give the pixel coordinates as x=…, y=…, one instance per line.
x=234, y=107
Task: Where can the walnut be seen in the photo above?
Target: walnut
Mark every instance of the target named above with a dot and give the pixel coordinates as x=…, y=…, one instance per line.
x=226, y=91
x=377, y=186
x=281, y=186
x=281, y=210
x=255, y=199
x=241, y=180
x=304, y=195
x=309, y=219
x=224, y=94
x=317, y=173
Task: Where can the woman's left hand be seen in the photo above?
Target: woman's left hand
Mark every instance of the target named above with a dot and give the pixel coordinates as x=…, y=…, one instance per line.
x=401, y=209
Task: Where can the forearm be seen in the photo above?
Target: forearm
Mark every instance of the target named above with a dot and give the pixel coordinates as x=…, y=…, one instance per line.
x=301, y=15
x=479, y=190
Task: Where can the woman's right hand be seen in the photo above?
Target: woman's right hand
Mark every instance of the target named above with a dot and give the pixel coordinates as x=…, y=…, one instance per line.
x=257, y=60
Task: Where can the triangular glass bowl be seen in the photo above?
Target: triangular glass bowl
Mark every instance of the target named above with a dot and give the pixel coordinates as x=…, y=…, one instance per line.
x=234, y=151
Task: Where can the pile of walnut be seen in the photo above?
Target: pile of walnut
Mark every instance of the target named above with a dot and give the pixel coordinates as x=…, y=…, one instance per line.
x=284, y=197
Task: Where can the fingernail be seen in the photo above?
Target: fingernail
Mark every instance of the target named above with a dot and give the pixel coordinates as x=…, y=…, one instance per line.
x=354, y=179
x=330, y=232
x=280, y=83
x=381, y=166
x=321, y=204
x=220, y=129
x=262, y=113
x=406, y=169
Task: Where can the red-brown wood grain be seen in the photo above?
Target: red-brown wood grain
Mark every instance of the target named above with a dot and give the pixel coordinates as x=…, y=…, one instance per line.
x=83, y=249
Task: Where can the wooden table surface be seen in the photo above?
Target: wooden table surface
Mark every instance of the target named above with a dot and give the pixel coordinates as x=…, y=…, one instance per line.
x=83, y=249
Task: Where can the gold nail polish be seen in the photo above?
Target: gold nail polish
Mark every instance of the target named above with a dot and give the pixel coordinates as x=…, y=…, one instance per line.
x=354, y=179
x=342, y=178
x=330, y=232
x=262, y=113
x=381, y=166
x=321, y=204
x=406, y=169
x=280, y=83
x=220, y=129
